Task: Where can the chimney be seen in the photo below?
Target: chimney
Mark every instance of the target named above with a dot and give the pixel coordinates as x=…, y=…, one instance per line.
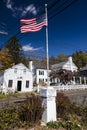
x=70, y=59
x=30, y=65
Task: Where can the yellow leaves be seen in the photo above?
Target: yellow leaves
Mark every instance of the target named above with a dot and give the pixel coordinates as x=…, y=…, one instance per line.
x=5, y=59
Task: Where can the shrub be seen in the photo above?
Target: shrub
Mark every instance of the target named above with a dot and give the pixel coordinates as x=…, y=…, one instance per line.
x=2, y=95
x=8, y=118
x=74, y=116
x=31, y=110
x=72, y=126
x=54, y=125
x=63, y=105
x=24, y=115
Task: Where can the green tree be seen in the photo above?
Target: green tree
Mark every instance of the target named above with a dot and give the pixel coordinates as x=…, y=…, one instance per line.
x=80, y=58
x=15, y=49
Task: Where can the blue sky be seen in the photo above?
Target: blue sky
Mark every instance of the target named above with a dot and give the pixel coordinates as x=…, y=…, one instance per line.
x=67, y=30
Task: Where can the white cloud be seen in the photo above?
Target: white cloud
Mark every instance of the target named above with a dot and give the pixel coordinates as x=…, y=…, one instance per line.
x=31, y=8
x=21, y=10
x=3, y=32
x=30, y=48
x=9, y=4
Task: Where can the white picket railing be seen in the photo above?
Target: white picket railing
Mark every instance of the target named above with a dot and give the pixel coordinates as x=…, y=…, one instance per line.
x=64, y=87
x=70, y=87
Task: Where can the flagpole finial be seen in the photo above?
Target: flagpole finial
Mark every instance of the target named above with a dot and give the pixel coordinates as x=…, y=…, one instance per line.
x=45, y=5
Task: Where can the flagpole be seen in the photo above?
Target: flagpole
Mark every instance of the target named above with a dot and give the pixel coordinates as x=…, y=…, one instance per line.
x=47, y=55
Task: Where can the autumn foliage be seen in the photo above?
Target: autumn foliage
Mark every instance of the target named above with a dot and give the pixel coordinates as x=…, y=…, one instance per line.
x=5, y=59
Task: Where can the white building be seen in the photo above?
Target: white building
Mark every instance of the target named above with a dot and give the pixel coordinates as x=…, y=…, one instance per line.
x=41, y=76
x=68, y=65
x=18, y=78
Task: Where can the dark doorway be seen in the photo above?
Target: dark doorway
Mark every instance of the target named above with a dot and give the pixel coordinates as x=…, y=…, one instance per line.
x=19, y=83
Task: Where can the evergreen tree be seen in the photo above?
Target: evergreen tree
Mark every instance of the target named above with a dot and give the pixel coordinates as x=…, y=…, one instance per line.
x=15, y=49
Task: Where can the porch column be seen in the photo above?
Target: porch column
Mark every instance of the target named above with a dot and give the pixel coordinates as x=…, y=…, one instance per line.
x=74, y=80
x=84, y=80
x=80, y=80
x=55, y=80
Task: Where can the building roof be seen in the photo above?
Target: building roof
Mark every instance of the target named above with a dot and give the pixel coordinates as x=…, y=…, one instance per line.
x=19, y=66
x=84, y=68
x=62, y=64
x=41, y=67
x=59, y=65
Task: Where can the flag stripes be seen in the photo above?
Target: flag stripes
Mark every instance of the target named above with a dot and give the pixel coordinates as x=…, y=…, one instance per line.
x=33, y=24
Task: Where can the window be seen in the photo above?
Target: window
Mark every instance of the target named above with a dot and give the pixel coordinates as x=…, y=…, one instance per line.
x=46, y=80
x=27, y=84
x=41, y=72
x=41, y=80
x=15, y=70
x=24, y=70
x=10, y=82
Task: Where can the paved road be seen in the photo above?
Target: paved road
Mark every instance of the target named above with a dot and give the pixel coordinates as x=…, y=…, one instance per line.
x=78, y=96
x=75, y=92
x=11, y=101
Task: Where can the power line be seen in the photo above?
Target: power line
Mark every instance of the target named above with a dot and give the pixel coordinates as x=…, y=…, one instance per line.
x=74, y=1
x=51, y=6
x=61, y=10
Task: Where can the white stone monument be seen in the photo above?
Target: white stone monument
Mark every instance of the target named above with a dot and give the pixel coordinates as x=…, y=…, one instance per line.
x=48, y=95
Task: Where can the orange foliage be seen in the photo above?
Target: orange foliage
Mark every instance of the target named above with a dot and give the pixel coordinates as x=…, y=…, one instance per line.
x=5, y=59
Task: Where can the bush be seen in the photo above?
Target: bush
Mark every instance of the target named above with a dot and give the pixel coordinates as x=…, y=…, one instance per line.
x=2, y=95
x=31, y=110
x=74, y=116
x=26, y=114
x=54, y=125
x=9, y=118
x=63, y=105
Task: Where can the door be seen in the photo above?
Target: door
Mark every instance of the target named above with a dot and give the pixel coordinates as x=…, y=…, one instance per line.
x=19, y=84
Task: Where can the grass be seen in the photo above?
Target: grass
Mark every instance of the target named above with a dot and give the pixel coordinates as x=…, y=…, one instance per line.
x=16, y=94
x=2, y=96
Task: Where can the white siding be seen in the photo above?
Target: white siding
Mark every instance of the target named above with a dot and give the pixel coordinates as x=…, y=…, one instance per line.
x=18, y=73
x=41, y=75
x=69, y=65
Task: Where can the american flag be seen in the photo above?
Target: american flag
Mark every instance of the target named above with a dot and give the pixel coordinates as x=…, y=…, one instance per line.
x=33, y=24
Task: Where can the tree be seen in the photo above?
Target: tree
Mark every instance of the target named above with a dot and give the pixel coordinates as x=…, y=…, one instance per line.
x=65, y=76
x=62, y=57
x=80, y=58
x=53, y=60
x=5, y=59
x=15, y=49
